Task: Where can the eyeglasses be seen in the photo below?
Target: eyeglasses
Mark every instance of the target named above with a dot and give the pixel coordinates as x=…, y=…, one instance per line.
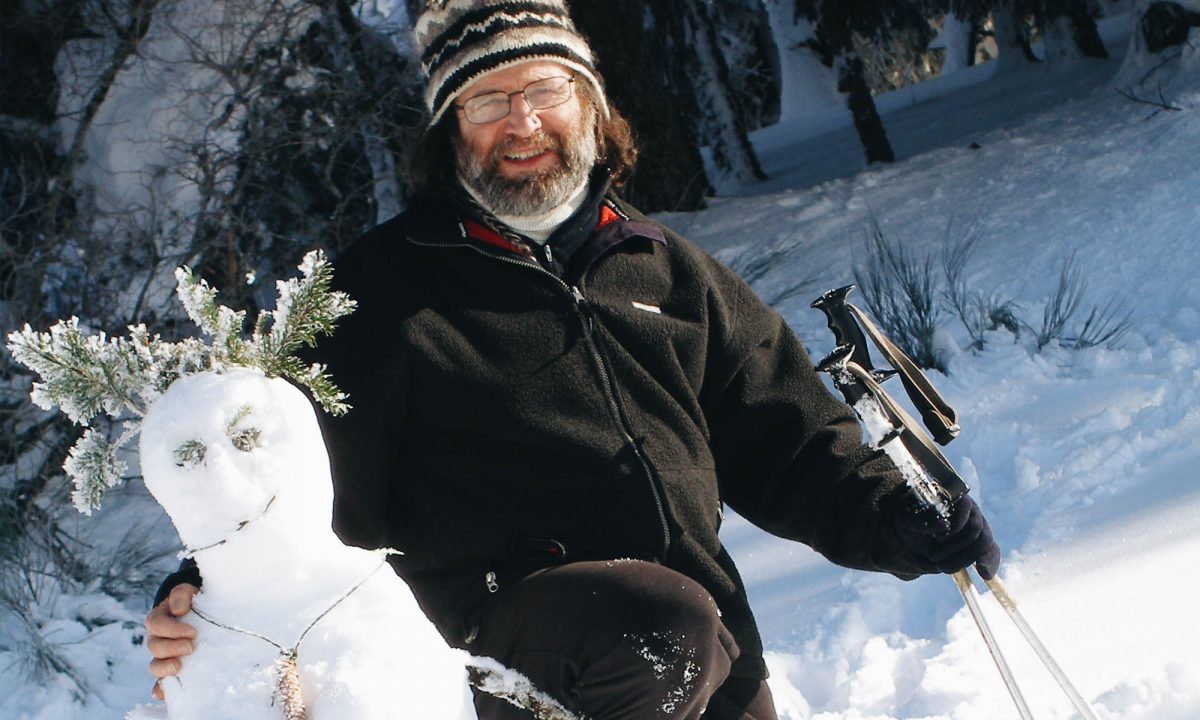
x=539, y=95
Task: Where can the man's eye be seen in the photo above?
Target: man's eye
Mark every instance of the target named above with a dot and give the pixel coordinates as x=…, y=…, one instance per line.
x=489, y=103
x=539, y=96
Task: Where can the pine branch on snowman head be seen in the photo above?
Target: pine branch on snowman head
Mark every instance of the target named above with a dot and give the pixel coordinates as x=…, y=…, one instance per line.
x=91, y=376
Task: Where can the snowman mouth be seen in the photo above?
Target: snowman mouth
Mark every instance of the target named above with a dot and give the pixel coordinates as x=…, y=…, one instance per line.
x=189, y=552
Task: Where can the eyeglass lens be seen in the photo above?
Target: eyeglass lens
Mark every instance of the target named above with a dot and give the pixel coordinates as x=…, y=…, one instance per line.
x=539, y=94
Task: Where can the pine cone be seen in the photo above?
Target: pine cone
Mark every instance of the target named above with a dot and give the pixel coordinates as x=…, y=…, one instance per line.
x=287, y=688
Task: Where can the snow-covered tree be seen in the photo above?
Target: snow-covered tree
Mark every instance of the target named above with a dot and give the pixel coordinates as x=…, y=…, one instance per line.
x=722, y=121
x=1067, y=28
x=139, y=135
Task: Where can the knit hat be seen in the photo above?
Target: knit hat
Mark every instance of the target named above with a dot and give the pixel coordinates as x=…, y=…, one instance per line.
x=460, y=41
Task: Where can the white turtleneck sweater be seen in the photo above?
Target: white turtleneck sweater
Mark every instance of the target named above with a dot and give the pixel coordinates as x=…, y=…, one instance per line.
x=539, y=227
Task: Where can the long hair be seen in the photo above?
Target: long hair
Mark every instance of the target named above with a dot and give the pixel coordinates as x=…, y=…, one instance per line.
x=431, y=164
x=616, y=147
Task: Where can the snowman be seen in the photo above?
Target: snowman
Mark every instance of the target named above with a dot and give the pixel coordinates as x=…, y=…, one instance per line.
x=291, y=624
x=288, y=617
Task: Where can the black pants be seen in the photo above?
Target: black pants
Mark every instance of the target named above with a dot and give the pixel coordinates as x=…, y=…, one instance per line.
x=617, y=640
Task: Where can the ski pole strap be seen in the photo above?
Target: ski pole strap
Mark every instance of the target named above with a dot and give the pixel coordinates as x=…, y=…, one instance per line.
x=936, y=413
x=848, y=322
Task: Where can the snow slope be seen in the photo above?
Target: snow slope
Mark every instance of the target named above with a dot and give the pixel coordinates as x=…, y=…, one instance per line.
x=1085, y=461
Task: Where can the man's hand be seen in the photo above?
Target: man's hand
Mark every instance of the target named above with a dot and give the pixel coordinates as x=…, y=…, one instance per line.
x=168, y=639
x=952, y=543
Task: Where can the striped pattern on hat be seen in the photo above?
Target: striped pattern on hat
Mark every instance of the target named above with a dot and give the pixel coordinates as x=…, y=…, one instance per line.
x=460, y=41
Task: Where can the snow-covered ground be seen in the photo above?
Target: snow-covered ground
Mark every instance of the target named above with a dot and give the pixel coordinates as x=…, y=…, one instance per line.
x=1085, y=461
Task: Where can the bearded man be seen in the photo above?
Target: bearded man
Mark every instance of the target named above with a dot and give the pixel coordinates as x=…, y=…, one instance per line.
x=555, y=398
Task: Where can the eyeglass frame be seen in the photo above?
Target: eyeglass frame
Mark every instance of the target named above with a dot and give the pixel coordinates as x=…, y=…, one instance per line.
x=509, y=98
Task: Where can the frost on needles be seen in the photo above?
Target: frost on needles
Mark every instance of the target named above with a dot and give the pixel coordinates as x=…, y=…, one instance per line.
x=87, y=376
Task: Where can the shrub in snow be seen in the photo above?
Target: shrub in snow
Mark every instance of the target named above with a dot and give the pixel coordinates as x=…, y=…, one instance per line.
x=291, y=623
x=1104, y=325
x=978, y=312
x=900, y=291
x=906, y=298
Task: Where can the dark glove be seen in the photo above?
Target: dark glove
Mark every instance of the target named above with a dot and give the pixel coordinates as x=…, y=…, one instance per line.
x=188, y=572
x=950, y=543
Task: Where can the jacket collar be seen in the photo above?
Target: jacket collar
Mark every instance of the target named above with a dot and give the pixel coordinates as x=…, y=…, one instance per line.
x=597, y=226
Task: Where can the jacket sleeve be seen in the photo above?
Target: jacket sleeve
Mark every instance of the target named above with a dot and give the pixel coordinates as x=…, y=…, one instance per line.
x=361, y=360
x=790, y=456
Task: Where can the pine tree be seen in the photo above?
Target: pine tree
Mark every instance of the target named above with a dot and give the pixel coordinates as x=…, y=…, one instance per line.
x=840, y=26
x=687, y=73
x=320, y=139
x=91, y=376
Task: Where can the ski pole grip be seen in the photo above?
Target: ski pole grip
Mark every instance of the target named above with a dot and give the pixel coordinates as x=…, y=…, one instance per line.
x=846, y=331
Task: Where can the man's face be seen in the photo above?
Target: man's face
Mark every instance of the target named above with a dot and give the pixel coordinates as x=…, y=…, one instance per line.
x=532, y=160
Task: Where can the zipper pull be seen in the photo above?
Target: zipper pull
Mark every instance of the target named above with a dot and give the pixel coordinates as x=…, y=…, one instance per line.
x=490, y=581
x=584, y=311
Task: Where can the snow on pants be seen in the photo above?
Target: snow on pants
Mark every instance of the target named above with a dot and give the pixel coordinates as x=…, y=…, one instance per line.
x=617, y=640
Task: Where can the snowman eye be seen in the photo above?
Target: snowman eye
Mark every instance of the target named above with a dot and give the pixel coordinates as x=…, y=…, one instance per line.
x=244, y=439
x=190, y=454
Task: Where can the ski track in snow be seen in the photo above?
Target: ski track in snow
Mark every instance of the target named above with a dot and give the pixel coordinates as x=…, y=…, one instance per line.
x=1085, y=461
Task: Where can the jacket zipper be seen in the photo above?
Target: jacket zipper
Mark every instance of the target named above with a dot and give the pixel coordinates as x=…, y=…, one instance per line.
x=610, y=389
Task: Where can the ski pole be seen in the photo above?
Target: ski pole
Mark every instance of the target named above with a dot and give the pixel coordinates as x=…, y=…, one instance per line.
x=971, y=598
x=872, y=405
x=1000, y=592
x=928, y=473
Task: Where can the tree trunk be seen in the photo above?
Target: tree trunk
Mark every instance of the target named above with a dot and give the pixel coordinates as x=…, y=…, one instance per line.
x=724, y=125
x=140, y=14
x=1085, y=33
x=743, y=33
x=977, y=37
x=670, y=173
x=1070, y=31
x=1011, y=43
x=958, y=41
x=862, y=106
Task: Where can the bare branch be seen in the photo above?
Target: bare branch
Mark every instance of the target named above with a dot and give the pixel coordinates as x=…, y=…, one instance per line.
x=1161, y=103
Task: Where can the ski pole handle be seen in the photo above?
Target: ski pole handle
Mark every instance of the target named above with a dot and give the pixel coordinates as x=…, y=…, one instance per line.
x=846, y=330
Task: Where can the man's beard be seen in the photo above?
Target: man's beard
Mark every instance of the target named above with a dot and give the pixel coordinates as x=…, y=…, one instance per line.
x=542, y=191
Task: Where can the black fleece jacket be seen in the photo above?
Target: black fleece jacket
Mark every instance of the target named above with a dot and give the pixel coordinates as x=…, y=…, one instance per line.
x=603, y=402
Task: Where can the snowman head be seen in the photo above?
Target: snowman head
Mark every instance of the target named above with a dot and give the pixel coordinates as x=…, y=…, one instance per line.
x=221, y=450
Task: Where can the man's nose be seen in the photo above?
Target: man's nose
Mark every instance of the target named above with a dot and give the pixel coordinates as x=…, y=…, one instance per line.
x=522, y=119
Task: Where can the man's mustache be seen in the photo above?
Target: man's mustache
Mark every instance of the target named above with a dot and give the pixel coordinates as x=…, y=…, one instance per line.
x=539, y=141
